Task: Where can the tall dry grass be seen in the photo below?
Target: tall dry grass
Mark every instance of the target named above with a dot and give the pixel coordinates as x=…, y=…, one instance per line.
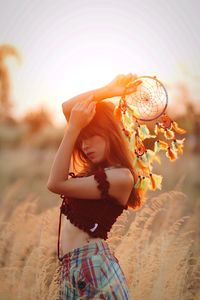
x=157, y=247
x=159, y=253
x=27, y=250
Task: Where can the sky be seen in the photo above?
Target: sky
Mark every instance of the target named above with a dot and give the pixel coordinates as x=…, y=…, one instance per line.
x=70, y=47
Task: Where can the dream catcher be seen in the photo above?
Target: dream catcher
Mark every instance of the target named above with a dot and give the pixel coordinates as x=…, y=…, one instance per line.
x=148, y=103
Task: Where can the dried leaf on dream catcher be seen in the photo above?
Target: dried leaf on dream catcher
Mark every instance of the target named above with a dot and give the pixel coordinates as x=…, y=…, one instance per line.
x=156, y=181
x=177, y=146
x=169, y=127
x=143, y=132
x=142, y=183
x=151, y=156
x=143, y=158
x=171, y=154
x=118, y=113
x=152, y=182
x=139, y=146
x=178, y=129
x=160, y=145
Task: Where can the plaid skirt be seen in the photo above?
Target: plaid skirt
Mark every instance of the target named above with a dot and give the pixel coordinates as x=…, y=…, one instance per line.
x=92, y=272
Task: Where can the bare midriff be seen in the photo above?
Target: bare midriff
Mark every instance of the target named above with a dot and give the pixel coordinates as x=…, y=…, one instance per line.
x=72, y=237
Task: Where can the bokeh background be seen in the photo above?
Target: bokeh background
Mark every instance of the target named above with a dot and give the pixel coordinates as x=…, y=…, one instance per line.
x=51, y=51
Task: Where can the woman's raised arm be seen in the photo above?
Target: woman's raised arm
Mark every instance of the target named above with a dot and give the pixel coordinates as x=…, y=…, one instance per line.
x=99, y=94
x=116, y=87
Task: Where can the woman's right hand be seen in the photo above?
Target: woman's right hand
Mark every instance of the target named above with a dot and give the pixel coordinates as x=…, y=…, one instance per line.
x=121, y=85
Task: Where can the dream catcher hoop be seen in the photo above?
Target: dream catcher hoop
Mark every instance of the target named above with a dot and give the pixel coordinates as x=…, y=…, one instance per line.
x=148, y=103
x=150, y=99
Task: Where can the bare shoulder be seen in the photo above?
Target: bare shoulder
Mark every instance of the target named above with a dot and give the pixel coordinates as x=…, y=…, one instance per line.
x=121, y=183
x=121, y=173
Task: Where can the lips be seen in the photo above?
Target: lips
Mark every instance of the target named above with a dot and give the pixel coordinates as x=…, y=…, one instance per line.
x=90, y=153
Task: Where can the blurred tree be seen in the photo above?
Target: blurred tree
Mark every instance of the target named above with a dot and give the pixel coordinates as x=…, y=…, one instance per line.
x=5, y=85
x=37, y=119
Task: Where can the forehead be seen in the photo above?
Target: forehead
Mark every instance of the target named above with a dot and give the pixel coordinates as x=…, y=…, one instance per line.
x=92, y=137
x=90, y=132
x=94, y=132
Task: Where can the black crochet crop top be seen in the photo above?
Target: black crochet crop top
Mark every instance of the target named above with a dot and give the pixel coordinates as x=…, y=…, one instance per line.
x=94, y=216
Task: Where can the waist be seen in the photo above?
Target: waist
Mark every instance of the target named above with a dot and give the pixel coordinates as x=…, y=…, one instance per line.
x=95, y=247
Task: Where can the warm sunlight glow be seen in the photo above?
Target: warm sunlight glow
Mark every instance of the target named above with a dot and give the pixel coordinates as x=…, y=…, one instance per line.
x=83, y=47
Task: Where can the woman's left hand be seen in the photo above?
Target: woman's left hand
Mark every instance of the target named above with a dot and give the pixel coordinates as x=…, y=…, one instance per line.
x=123, y=84
x=82, y=113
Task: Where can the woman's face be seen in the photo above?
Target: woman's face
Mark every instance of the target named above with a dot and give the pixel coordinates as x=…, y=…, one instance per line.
x=95, y=144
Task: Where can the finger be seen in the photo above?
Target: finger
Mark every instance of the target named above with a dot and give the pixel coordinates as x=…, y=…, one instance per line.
x=132, y=76
x=129, y=76
x=77, y=106
x=138, y=82
x=132, y=89
x=135, y=83
x=87, y=101
x=92, y=105
x=91, y=115
x=129, y=79
x=124, y=80
x=91, y=111
x=120, y=78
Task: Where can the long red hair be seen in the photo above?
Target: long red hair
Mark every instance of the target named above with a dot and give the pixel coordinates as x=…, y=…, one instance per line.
x=117, y=147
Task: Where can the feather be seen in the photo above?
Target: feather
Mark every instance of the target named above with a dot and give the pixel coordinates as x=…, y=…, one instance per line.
x=118, y=113
x=171, y=154
x=178, y=146
x=153, y=183
x=146, y=163
x=127, y=132
x=141, y=165
x=163, y=145
x=137, y=185
x=151, y=156
x=178, y=129
x=144, y=185
x=158, y=128
x=157, y=147
x=134, y=111
x=180, y=141
x=144, y=129
x=156, y=181
x=135, y=161
x=132, y=142
x=127, y=120
x=144, y=132
x=179, y=149
x=139, y=146
x=169, y=134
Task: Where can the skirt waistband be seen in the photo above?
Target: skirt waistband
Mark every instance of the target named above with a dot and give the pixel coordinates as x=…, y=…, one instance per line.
x=90, y=249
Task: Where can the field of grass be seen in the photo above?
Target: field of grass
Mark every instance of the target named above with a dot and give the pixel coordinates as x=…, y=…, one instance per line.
x=157, y=246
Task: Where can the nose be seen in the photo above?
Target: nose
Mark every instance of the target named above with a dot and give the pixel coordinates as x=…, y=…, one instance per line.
x=85, y=146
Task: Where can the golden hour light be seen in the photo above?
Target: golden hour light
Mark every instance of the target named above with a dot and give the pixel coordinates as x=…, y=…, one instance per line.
x=99, y=144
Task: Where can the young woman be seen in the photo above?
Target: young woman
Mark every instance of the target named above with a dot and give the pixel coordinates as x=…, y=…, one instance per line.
x=96, y=196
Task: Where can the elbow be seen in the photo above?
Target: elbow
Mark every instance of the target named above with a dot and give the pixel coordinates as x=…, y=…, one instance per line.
x=65, y=111
x=51, y=186
x=54, y=187
x=63, y=106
